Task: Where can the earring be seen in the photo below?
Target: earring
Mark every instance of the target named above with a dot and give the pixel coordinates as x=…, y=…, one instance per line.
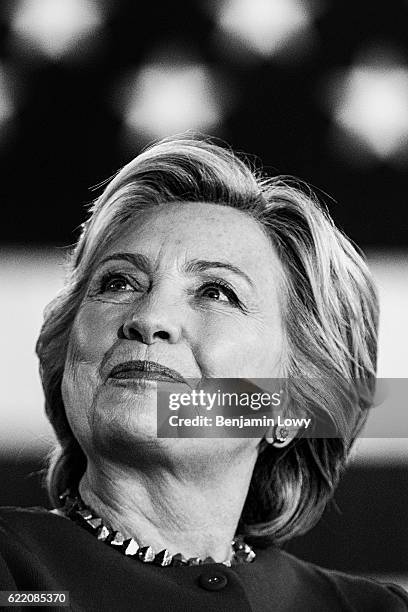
x=279, y=436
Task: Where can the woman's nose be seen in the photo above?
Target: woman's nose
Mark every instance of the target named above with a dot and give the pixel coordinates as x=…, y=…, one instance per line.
x=150, y=324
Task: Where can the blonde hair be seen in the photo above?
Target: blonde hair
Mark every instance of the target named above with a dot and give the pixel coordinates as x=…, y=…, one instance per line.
x=330, y=318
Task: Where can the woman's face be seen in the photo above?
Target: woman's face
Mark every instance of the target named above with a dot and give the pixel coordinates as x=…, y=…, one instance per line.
x=194, y=287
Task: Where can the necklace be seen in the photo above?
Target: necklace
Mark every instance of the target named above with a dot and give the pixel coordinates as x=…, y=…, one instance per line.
x=76, y=510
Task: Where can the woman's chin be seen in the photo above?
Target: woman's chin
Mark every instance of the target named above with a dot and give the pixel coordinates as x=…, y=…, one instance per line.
x=132, y=409
x=135, y=394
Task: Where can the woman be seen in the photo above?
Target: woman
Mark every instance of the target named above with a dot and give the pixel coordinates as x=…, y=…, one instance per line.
x=192, y=267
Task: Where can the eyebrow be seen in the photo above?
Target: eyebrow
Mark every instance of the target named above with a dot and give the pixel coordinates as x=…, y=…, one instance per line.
x=201, y=265
x=137, y=259
x=196, y=265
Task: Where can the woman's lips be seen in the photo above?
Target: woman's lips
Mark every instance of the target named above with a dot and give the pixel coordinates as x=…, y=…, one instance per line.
x=146, y=370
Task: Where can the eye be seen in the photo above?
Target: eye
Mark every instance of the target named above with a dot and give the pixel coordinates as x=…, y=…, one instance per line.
x=114, y=283
x=219, y=292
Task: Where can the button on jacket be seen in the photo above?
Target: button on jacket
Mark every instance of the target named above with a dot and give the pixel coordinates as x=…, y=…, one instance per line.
x=42, y=551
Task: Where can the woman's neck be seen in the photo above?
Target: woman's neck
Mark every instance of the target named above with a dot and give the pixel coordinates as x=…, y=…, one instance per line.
x=195, y=516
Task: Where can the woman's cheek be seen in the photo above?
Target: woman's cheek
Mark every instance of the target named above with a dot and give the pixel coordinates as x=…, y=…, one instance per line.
x=93, y=333
x=223, y=352
x=239, y=352
x=91, y=337
x=89, y=341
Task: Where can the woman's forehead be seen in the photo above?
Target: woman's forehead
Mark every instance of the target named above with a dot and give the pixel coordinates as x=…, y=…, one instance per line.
x=182, y=232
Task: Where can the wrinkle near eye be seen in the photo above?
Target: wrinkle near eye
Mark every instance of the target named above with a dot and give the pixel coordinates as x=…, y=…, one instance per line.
x=217, y=311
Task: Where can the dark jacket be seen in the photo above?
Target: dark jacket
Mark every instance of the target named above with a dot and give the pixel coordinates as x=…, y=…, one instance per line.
x=43, y=551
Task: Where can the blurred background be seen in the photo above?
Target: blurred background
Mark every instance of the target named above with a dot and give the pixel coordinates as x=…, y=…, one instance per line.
x=316, y=89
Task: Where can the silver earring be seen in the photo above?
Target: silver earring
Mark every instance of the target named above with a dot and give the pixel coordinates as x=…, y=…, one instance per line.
x=279, y=436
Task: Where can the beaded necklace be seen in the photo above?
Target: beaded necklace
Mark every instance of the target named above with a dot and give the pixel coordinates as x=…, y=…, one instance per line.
x=76, y=510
